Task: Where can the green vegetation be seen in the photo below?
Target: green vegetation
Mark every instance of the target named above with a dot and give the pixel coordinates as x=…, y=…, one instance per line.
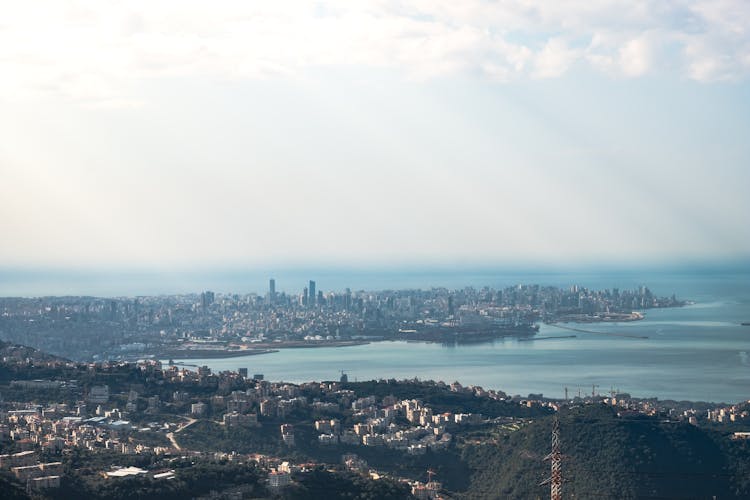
x=9, y=488
x=441, y=399
x=207, y=435
x=192, y=479
x=607, y=456
x=611, y=457
x=327, y=485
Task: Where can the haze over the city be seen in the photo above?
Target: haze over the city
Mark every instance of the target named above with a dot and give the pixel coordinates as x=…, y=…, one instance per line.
x=170, y=135
x=394, y=249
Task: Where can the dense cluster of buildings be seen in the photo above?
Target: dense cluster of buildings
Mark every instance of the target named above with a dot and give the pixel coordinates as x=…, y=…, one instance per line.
x=93, y=416
x=694, y=413
x=147, y=414
x=27, y=467
x=87, y=328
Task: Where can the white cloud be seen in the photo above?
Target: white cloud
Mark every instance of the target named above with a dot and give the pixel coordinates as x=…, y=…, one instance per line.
x=554, y=59
x=635, y=57
x=95, y=50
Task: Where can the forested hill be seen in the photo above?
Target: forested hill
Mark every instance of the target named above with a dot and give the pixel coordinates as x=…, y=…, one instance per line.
x=10, y=352
x=611, y=457
x=15, y=361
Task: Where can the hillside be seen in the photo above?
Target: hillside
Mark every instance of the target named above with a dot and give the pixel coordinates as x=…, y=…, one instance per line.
x=10, y=353
x=611, y=457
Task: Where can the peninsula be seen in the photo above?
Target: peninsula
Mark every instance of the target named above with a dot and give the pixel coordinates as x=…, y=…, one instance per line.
x=213, y=325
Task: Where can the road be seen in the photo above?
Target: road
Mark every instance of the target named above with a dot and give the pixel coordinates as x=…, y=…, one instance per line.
x=170, y=435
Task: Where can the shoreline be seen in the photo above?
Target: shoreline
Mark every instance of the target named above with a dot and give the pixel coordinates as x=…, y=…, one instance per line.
x=271, y=347
x=310, y=344
x=264, y=348
x=606, y=318
x=256, y=350
x=211, y=353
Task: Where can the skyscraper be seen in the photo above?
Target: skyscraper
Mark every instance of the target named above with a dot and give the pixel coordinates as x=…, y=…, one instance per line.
x=272, y=290
x=207, y=298
x=311, y=296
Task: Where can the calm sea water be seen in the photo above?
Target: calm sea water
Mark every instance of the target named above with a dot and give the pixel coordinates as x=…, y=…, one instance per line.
x=699, y=352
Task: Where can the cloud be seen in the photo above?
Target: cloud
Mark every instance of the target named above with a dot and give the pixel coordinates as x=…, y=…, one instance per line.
x=97, y=50
x=635, y=57
x=554, y=59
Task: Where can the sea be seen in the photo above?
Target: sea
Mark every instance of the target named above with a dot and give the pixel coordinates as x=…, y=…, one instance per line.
x=699, y=352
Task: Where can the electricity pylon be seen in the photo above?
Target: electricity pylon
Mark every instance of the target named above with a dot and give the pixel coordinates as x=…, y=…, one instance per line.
x=555, y=457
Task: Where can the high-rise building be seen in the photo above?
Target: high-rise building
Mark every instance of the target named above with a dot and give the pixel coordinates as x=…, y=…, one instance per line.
x=311, y=294
x=272, y=290
x=207, y=298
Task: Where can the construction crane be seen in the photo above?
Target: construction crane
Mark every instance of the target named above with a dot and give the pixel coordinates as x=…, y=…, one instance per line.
x=593, y=390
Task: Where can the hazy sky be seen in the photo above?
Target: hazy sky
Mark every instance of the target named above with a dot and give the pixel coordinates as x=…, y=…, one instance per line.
x=374, y=132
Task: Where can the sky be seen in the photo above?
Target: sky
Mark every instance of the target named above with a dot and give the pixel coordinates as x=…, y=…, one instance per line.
x=190, y=134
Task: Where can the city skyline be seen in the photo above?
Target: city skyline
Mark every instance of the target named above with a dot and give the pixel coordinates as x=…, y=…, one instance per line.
x=383, y=249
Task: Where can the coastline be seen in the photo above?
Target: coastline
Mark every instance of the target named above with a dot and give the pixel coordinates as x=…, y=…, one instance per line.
x=259, y=348
x=256, y=350
x=309, y=344
x=604, y=318
x=210, y=353
x=271, y=347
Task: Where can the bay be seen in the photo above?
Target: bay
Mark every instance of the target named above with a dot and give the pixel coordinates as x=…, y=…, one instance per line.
x=699, y=352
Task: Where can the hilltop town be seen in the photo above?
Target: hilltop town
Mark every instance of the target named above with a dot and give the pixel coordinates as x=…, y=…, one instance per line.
x=91, y=428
